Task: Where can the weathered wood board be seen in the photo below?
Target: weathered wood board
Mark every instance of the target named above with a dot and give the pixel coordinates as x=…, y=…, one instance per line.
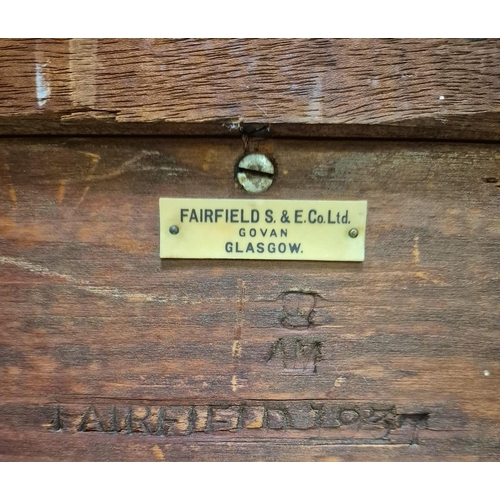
x=393, y=88
x=109, y=353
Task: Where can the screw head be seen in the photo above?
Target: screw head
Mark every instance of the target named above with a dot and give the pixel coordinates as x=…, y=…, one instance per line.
x=255, y=173
x=353, y=233
x=173, y=230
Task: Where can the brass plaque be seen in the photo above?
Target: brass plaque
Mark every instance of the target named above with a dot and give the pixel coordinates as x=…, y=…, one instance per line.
x=262, y=229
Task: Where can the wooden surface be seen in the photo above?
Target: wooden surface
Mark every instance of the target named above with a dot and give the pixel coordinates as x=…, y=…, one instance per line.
x=109, y=353
x=393, y=88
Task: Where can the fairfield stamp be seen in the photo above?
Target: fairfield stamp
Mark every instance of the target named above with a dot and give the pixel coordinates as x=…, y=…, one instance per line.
x=328, y=419
x=262, y=229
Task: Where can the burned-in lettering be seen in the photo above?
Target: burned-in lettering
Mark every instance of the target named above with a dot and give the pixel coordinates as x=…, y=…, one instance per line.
x=90, y=421
x=298, y=309
x=299, y=354
x=333, y=420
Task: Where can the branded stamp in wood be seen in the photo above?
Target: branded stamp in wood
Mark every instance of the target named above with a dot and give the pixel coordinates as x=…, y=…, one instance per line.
x=336, y=421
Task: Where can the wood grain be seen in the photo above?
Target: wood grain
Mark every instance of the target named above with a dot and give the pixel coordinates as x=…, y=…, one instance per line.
x=109, y=353
x=392, y=88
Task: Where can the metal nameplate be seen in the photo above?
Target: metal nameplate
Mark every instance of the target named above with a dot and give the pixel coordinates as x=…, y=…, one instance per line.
x=262, y=229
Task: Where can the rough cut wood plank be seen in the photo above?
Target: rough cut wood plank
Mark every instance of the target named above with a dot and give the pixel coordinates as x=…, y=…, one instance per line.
x=109, y=353
x=429, y=88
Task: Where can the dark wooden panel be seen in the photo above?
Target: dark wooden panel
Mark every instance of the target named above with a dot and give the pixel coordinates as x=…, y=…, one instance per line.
x=427, y=88
x=107, y=352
